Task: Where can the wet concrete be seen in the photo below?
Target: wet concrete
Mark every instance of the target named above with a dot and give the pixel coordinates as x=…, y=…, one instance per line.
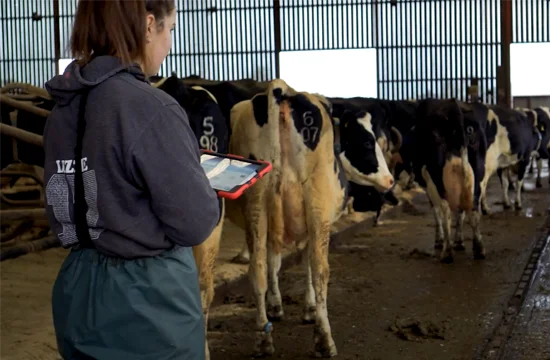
x=530, y=338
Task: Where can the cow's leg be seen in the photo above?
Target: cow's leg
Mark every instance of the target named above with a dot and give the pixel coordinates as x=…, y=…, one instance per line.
x=477, y=243
x=483, y=196
x=438, y=244
x=318, y=257
x=243, y=257
x=256, y=234
x=435, y=202
x=274, y=241
x=459, y=235
x=310, y=305
x=532, y=164
x=205, y=257
x=377, y=217
x=539, y=173
x=511, y=185
x=504, y=180
x=447, y=255
x=522, y=169
x=318, y=219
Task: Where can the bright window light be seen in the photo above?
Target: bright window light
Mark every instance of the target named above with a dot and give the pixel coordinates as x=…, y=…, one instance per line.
x=332, y=73
x=63, y=63
x=530, y=72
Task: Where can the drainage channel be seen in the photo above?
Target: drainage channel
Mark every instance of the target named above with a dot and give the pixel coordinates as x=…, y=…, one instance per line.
x=494, y=347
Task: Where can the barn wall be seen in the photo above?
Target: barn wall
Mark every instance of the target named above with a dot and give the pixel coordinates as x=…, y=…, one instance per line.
x=424, y=47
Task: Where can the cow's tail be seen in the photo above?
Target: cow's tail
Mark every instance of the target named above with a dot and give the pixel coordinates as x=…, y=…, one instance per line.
x=458, y=180
x=279, y=118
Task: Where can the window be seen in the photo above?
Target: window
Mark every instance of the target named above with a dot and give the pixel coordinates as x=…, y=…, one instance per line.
x=332, y=73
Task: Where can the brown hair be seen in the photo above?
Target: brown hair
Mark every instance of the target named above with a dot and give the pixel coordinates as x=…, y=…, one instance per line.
x=115, y=27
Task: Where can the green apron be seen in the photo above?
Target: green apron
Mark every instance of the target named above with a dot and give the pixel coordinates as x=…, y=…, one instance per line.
x=144, y=309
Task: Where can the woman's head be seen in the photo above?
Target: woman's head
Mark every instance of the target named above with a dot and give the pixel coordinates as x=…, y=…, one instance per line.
x=134, y=30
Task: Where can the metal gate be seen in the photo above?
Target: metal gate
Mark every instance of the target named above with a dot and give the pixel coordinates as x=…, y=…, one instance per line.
x=424, y=48
x=27, y=53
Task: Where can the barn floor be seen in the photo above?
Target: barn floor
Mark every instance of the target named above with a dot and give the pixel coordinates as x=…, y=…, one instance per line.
x=388, y=276
x=378, y=276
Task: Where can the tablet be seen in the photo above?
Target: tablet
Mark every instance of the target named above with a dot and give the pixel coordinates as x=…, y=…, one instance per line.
x=231, y=175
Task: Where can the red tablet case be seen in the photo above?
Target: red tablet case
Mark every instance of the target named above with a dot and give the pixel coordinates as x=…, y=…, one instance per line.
x=238, y=190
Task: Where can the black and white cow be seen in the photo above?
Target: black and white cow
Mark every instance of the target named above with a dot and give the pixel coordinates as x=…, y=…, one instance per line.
x=365, y=196
x=543, y=125
x=442, y=167
x=205, y=115
x=512, y=137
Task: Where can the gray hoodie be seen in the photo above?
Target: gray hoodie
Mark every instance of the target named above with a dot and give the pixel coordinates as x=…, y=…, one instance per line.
x=144, y=186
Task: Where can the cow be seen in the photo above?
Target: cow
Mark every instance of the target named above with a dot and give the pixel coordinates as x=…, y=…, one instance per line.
x=441, y=164
x=366, y=197
x=512, y=137
x=543, y=125
x=305, y=193
x=476, y=126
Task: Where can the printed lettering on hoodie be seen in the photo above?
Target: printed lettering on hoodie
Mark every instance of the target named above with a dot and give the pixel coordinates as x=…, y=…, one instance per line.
x=60, y=194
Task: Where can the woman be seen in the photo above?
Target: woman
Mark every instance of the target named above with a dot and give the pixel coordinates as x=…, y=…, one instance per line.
x=125, y=191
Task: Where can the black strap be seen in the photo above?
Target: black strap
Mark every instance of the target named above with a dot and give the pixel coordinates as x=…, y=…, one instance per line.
x=80, y=205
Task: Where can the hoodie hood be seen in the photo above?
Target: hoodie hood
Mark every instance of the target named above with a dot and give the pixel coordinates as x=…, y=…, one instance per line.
x=63, y=88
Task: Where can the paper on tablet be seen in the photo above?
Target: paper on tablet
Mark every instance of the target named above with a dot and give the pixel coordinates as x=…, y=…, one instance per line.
x=224, y=174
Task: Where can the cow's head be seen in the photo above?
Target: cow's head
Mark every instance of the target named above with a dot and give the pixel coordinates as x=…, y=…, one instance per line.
x=388, y=137
x=362, y=156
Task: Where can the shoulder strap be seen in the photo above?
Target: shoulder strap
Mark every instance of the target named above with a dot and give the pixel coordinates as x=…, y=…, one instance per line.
x=80, y=205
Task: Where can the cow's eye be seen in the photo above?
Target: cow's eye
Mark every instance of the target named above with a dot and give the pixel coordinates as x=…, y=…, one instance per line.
x=369, y=146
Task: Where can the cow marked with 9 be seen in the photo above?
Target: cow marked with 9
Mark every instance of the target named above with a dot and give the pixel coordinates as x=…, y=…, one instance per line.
x=442, y=167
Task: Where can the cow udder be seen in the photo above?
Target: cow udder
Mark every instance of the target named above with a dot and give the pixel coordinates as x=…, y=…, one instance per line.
x=458, y=181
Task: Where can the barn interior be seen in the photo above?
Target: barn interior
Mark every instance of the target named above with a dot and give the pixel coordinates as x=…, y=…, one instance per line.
x=390, y=295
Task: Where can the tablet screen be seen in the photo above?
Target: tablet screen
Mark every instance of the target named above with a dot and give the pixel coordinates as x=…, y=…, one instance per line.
x=224, y=174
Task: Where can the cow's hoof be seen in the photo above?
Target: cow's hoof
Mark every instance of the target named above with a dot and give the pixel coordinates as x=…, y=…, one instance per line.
x=324, y=344
x=507, y=206
x=479, y=255
x=478, y=250
x=447, y=259
x=309, y=315
x=264, y=345
x=485, y=212
x=275, y=313
x=240, y=259
x=518, y=206
x=538, y=184
x=459, y=246
x=438, y=245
